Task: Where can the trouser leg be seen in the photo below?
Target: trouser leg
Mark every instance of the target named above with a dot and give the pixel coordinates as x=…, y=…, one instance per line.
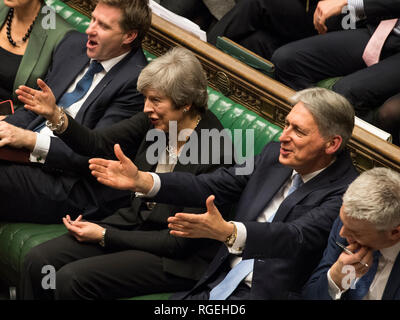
x=303, y=63
x=51, y=255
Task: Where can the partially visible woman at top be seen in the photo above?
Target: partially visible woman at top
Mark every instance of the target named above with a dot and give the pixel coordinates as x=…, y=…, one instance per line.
x=27, y=41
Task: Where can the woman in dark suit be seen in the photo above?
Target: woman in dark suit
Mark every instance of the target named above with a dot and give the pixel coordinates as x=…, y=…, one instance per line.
x=26, y=43
x=131, y=252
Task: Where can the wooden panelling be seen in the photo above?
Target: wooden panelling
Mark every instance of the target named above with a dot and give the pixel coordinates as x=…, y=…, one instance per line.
x=251, y=88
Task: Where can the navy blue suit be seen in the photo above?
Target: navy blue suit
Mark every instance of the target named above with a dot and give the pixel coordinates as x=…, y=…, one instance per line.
x=44, y=193
x=316, y=287
x=286, y=250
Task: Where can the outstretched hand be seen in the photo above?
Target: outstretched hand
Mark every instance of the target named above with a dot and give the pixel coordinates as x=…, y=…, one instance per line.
x=120, y=174
x=207, y=225
x=41, y=102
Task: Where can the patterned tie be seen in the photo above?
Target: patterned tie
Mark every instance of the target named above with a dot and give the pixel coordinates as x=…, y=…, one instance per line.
x=240, y=271
x=82, y=87
x=363, y=284
x=374, y=46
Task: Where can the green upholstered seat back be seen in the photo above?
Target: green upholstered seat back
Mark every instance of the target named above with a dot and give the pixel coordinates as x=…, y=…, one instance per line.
x=253, y=60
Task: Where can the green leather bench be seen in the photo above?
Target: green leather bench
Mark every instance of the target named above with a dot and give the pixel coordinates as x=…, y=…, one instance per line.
x=259, y=63
x=16, y=239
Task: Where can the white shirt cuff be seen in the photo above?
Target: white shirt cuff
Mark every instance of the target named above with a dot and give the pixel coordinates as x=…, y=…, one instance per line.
x=333, y=289
x=154, y=190
x=238, y=245
x=41, y=149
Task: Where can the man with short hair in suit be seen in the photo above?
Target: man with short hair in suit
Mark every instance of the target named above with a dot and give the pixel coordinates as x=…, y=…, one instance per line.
x=368, y=227
x=284, y=230
x=365, y=82
x=94, y=78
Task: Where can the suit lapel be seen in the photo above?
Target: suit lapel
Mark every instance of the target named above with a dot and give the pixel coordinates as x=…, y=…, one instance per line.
x=3, y=13
x=266, y=189
x=327, y=176
x=35, y=45
x=76, y=63
x=393, y=283
x=93, y=96
x=99, y=89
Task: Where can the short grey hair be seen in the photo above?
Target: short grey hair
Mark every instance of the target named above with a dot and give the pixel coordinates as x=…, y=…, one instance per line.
x=180, y=76
x=332, y=112
x=375, y=197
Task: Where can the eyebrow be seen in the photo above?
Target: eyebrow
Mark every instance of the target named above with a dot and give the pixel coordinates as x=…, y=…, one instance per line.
x=297, y=127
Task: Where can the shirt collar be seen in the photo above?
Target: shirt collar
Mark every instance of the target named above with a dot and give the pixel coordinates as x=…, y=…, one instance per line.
x=391, y=253
x=309, y=176
x=110, y=63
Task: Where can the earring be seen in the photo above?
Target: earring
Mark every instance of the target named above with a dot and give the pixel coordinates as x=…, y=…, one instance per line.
x=185, y=110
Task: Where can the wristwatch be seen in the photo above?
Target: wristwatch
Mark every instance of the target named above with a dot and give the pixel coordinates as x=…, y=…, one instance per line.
x=101, y=242
x=230, y=240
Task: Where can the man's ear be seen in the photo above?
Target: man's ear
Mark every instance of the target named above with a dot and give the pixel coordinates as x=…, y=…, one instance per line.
x=333, y=144
x=395, y=233
x=129, y=37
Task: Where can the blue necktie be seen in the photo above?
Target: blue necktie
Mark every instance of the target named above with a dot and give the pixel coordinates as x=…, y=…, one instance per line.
x=82, y=87
x=297, y=182
x=240, y=271
x=363, y=284
x=224, y=289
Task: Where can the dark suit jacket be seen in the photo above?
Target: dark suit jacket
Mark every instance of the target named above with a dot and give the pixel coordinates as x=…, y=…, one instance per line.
x=377, y=10
x=286, y=250
x=136, y=227
x=316, y=287
x=114, y=98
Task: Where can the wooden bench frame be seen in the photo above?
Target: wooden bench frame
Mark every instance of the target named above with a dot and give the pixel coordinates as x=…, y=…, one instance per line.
x=251, y=88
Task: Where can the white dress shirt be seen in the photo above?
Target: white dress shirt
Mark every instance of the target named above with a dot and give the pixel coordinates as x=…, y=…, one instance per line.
x=43, y=140
x=375, y=292
x=238, y=246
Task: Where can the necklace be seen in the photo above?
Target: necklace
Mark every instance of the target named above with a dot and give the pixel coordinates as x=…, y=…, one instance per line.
x=173, y=151
x=9, y=20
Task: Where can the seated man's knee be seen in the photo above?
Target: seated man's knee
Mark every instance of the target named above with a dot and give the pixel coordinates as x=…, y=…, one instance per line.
x=389, y=116
x=284, y=57
x=287, y=67
x=69, y=284
x=35, y=260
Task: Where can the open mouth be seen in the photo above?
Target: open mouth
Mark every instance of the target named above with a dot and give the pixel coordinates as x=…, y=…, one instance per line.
x=91, y=44
x=284, y=151
x=154, y=121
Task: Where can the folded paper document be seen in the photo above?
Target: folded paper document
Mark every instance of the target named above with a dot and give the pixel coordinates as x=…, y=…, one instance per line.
x=177, y=20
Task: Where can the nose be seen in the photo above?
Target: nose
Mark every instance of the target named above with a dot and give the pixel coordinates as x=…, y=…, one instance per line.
x=345, y=234
x=284, y=136
x=90, y=29
x=148, y=107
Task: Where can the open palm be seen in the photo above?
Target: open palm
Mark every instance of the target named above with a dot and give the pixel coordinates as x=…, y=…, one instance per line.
x=120, y=174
